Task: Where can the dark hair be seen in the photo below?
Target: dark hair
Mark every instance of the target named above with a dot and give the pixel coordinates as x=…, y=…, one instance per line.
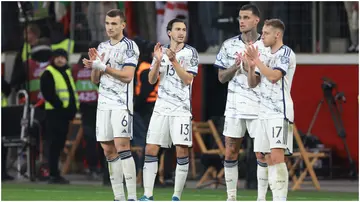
x=171, y=23
x=34, y=28
x=276, y=23
x=116, y=12
x=251, y=7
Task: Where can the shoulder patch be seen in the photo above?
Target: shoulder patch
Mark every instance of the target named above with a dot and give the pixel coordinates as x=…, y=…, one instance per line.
x=130, y=53
x=284, y=59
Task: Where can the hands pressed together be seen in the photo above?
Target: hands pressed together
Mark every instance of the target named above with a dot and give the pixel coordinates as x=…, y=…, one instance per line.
x=249, y=56
x=95, y=61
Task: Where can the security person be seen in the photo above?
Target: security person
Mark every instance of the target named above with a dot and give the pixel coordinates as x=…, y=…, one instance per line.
x=58, y=89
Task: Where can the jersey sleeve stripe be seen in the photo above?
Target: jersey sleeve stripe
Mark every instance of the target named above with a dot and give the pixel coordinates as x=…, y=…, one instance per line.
x=218, y=66
x=129, y=64
x=128, y=43
x=282, y=71
x=283, y=96
x=287, y=51
x=191, y=72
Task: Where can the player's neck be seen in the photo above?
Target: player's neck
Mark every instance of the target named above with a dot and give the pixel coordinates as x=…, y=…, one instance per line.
x=276, y=46
x=116, y=39
x=175, y=46
x=250, y=36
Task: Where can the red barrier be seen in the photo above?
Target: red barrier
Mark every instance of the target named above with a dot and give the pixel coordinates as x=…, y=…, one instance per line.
x=307, y=93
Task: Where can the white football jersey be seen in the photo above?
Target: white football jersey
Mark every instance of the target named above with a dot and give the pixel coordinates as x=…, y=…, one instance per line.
x=276, y=101
x=174, y=97
x=113, y=93
x=242, y=101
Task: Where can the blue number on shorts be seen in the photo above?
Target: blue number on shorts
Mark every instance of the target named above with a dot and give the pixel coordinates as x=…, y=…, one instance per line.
x=124, y=122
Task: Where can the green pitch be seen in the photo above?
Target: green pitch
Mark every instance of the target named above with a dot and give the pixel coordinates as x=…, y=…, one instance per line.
x=38, y=192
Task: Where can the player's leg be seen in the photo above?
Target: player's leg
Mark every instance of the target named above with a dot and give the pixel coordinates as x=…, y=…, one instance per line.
x=279, y=143
x=256, y=132
x=121, y=123
x=158, y=135
x=181, y=135
x=234, y=131
x=104, y=135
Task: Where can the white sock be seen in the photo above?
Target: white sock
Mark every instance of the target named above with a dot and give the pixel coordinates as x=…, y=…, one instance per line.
x=116, y=178
x=282, y=181
x=181, y=173
x=262, y=178
x=129, y=169
x=149, y=174
x=231, y=178
x=271, y=179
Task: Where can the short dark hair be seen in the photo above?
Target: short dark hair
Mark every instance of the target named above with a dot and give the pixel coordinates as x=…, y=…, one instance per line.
x=116, y=12
x=171, y=23
x=276, y=23
x=34, y=28
x=251, y=7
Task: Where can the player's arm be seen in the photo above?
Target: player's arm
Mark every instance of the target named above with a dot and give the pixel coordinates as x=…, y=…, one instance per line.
x=188, y=71
x=273, y=75
x=226, y=71
x=95, y=76
x=186, y=77
x=125, y=75
x=154, y=71
x=155, y=65
x=253, y=77
x=227, y=74
x=95, y=73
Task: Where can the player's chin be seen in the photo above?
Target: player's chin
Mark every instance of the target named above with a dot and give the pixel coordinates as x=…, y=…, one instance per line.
x=180, y=40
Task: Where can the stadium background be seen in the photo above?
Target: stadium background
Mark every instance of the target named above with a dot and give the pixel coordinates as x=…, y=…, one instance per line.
x=318, y=32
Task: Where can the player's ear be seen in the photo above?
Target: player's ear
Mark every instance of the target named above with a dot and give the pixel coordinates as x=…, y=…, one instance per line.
x=257, y=20
x=168, y=33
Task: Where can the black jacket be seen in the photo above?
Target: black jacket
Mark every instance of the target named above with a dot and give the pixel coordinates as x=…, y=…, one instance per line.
x=47, y=87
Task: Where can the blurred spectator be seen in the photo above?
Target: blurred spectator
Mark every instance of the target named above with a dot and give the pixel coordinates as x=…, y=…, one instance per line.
x=31, y=37
x=96, y=19
x=58, y=89
x=88, y=95
x=352, y=10
x=206, y=16
x=173, y=9
x=39, y=58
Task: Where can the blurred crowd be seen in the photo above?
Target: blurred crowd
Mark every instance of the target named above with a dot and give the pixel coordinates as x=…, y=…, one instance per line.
x=209, y=22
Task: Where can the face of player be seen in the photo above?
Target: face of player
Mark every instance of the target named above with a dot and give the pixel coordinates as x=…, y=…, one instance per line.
x=178, y=32
x=270, y=35
x=60, y=61
x=114, y=26
x=247, y=21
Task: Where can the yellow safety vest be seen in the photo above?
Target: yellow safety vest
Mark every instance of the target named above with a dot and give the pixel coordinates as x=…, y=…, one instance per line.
x=64, y=45
x=4, y=101
x=61, y=88
x=26, y=49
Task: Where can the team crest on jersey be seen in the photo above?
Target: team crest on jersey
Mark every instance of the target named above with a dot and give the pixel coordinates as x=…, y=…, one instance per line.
x=284, y=60
x=130, y=53
x=194, y=62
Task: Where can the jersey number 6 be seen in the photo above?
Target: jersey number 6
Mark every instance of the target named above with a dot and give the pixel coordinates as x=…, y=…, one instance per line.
x=124, y=122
